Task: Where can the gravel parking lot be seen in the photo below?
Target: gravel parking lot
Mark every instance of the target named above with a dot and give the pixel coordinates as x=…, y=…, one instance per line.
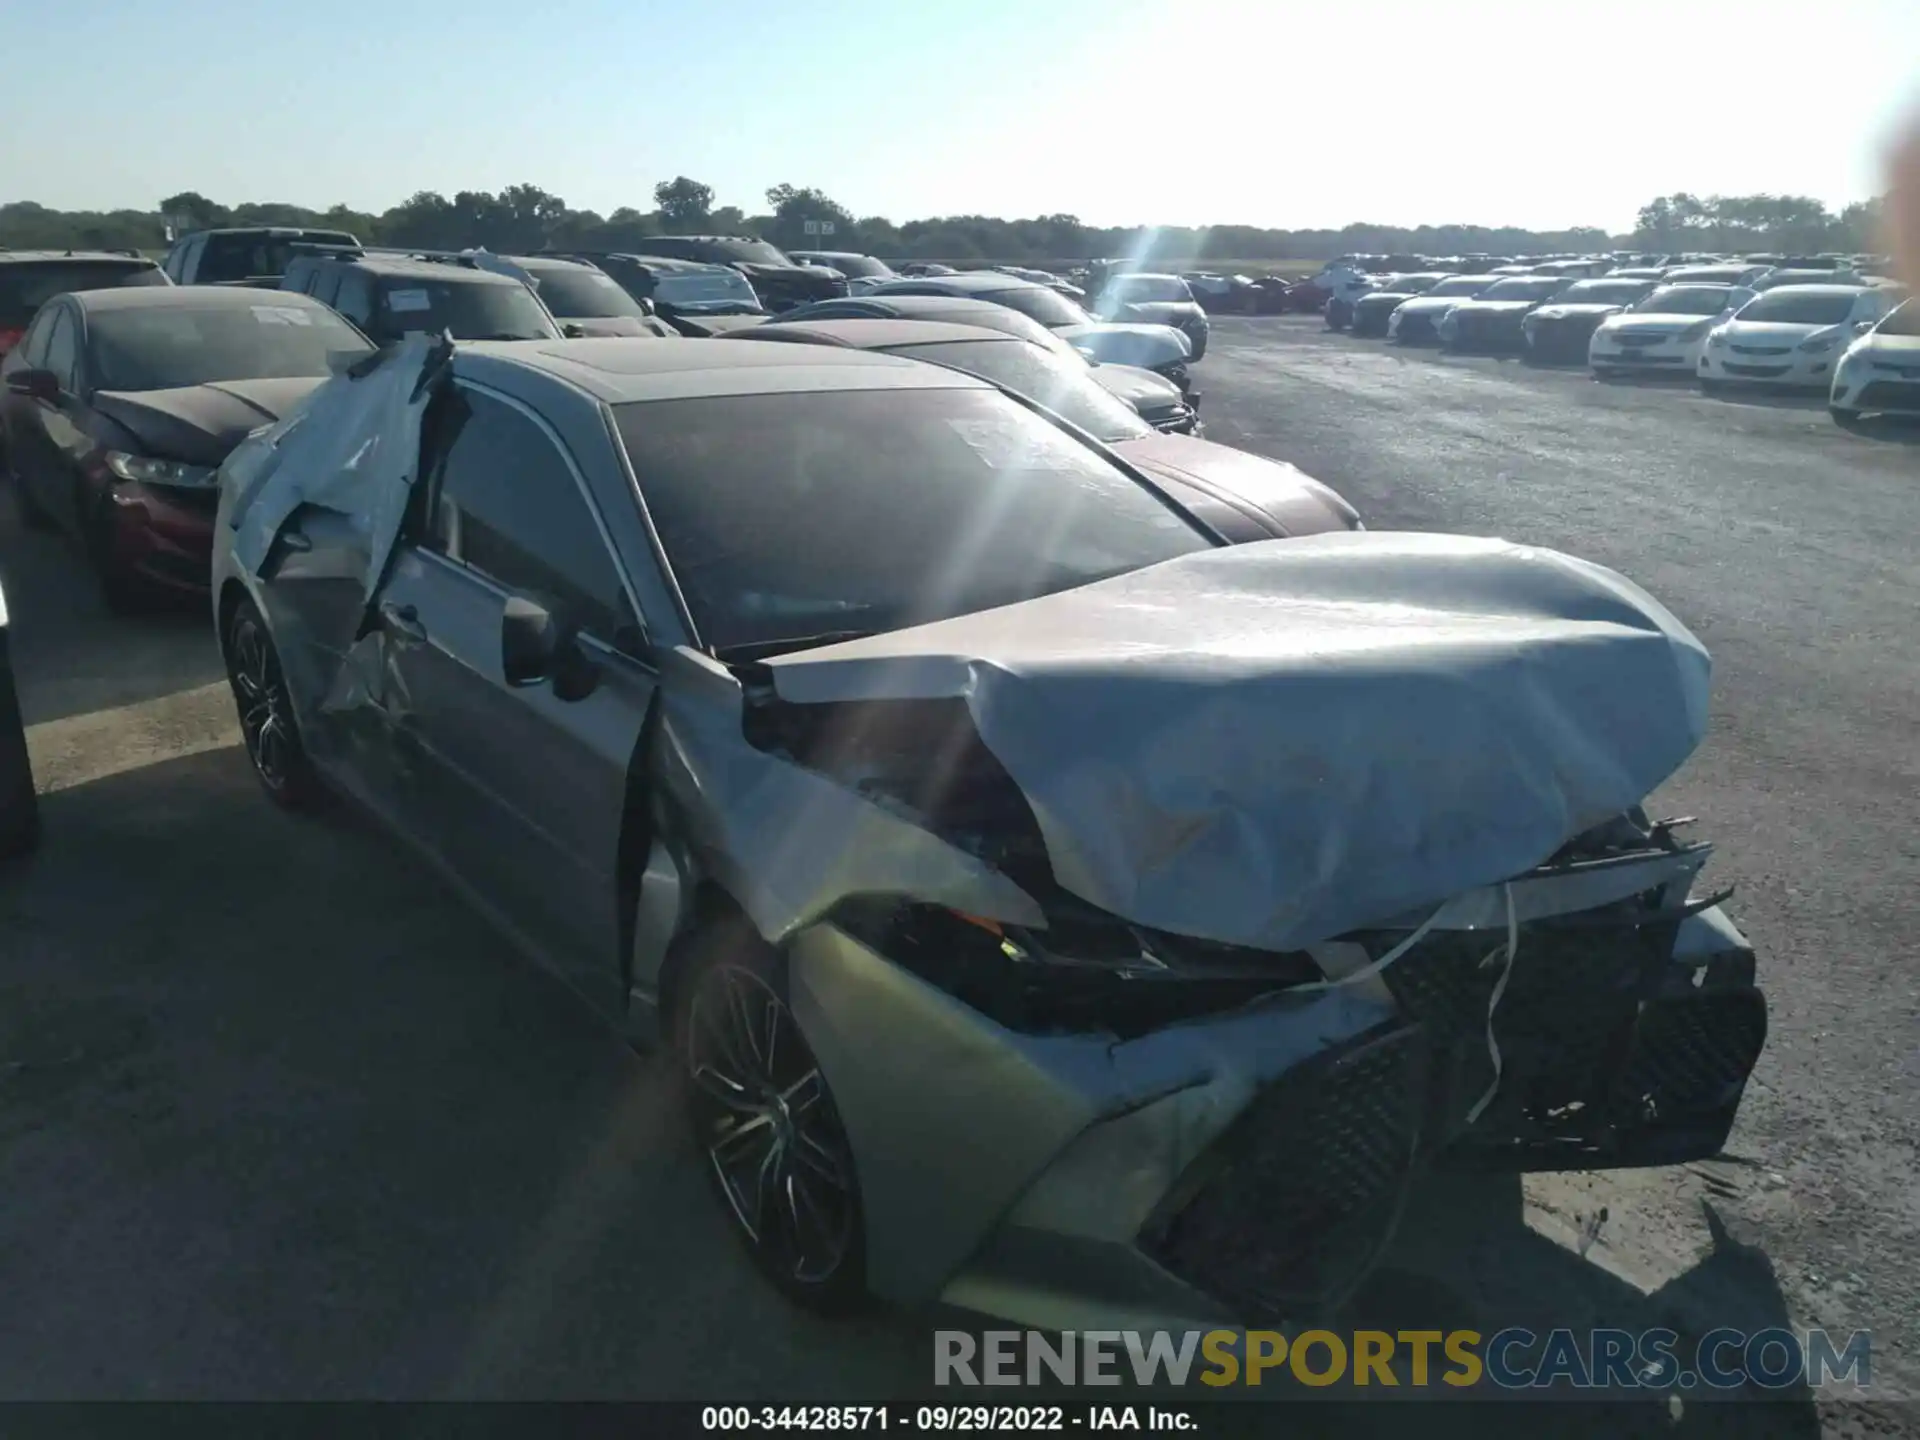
x=279, y=1118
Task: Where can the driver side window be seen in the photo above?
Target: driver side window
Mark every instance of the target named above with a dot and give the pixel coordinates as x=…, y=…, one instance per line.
x=63, y=350
x=505, y=503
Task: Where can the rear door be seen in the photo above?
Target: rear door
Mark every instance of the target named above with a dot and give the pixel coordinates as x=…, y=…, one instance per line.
x=522, y=793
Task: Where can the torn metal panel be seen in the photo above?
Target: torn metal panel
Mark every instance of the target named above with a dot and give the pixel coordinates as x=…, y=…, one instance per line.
x=358, y=444
x=789, y=844
x=1274, y=744
x=929, y=1088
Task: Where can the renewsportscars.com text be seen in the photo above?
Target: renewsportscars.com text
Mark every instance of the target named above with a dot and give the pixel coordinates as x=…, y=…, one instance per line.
x=1510, y=1359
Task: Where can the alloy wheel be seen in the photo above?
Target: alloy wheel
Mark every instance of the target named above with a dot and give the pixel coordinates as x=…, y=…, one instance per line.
x=768, y=1126
x=261, y=694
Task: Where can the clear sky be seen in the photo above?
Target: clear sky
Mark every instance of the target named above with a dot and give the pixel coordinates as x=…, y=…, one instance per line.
x=1540, y=113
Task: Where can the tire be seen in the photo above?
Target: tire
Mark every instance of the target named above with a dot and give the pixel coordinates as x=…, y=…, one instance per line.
x=1712, y=387
x=1605, y=372
x=770, y=1137
x=19, y=805
x=267, y=725
x=24, y=505
x=1845, y=419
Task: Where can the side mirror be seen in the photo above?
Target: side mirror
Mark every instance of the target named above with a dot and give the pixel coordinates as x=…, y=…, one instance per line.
x=573, y=330
x=537, y=645
x=1861, y=327
x=35, y=384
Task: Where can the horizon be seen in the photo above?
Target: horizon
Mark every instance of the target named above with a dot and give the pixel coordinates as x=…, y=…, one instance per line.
x=1123, y=117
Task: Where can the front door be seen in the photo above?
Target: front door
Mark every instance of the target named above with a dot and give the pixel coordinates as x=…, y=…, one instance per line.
x=521, y=792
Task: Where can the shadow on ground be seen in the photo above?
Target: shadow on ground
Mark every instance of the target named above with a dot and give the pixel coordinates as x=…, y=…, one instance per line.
x=280, y=1119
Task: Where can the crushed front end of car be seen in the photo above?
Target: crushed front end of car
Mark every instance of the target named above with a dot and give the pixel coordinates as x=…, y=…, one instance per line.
x=1160, y=961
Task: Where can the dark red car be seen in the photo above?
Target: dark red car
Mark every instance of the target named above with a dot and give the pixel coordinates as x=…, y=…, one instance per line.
x=119, y=405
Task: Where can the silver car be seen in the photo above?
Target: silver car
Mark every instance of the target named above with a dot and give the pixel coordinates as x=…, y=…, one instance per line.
x=1053, y=910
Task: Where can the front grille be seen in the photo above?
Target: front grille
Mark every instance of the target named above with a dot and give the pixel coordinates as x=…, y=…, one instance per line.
x=1562, y=339
x=1757, y=372
x=1304, y=1185
x=1641, y=337
x=1762, y=349
x=1890, y=395
x=1691, y=1055
x=1417, y=326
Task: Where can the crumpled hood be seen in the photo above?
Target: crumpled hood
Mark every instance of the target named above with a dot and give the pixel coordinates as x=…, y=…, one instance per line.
x=1277, y=743
x=1202, y=475
x=1147, y=346
x=200, y=424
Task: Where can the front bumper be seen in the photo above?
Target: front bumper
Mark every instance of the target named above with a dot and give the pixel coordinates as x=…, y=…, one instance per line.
x=1417, y=327
x=1647, y=352
x=1234, y=1167
x=163, y=536
x=1877, y=389
x=1766, y=365
x=1559, y=342
x=1372, y=320
x=1486, y=336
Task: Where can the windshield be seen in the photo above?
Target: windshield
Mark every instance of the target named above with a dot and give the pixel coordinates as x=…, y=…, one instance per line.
x=854, y=267
x=1524, y=287
x=1049, y=307
x=1787, y=306
x=691, y=289
x=27, y=285
x=1605, y=292
x=247, y=256
x=1462, y=285
x=161, y=347
x=469, y=310
x=574, y=292
x=1686, y=300
x=1063, y=386
x=1903, y=321
x=788, y=516
x=1151, y=288
x=751, y=252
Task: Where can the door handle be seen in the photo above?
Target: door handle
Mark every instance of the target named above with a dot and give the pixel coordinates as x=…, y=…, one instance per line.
x=403, y=620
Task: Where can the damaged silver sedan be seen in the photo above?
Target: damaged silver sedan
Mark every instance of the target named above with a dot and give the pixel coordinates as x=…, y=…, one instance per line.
x=1053, y=910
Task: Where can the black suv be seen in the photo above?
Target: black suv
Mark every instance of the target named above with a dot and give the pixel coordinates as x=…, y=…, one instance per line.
x=29, y=278
x=392, y=295
x=779, y=282
x=255, y=255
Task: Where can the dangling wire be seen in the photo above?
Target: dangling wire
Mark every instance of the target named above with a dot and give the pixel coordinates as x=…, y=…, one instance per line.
x=1505, y=954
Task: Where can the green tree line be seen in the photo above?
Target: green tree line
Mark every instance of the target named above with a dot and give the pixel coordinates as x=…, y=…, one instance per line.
x=526, y=217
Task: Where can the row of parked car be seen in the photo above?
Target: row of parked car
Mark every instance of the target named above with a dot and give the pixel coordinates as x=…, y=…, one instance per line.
x=1824, y=323
x=128, y=382
x=874, y=706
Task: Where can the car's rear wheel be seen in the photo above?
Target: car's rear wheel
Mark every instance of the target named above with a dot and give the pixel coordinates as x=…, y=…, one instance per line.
x=771, y=1139
x=267, y=724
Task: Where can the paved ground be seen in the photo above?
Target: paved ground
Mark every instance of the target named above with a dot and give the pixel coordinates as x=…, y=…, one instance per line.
x=277, y=1118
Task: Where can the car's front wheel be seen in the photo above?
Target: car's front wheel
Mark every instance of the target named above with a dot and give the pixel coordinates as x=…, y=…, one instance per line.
x=770, y=1135
x=1847, y=419
x=267, y=723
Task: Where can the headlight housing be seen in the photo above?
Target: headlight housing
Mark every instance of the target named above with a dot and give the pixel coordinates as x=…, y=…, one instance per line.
x=1818, y=345
x=145, y=470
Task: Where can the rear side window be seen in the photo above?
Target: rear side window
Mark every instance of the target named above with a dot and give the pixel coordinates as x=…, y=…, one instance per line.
x=507, y=504
x=469, y=309
x=26, y=285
